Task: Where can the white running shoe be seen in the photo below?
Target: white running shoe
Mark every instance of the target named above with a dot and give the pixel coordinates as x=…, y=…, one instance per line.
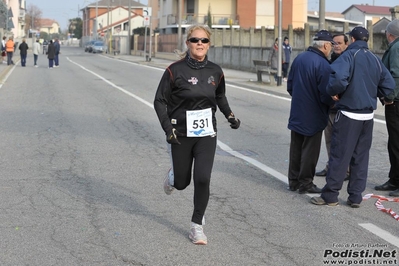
x=197, y=235
x=167, y=187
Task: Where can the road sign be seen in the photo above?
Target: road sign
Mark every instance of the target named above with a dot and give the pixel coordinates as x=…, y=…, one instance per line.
x=147, y=11
x=146, y=20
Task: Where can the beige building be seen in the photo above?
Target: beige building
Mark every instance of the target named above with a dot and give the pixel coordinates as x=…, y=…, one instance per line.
x=112, y=16
x=49, y=26
x=226, y=13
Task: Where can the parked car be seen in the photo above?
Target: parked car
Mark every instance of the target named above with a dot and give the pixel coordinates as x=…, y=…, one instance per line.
x=88, y=46
x=99, y=47
x=45, y=46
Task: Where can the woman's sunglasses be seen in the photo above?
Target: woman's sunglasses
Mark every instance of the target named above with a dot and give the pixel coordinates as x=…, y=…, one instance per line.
x=196, y=40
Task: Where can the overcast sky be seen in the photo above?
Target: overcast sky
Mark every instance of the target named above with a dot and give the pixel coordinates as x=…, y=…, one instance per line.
x=63, y=10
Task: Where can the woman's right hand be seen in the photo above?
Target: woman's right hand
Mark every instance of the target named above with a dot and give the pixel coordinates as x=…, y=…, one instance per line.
x=171, y=137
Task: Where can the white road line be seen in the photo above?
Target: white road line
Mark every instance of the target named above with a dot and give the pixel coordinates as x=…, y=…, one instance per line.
x=260, y=92
x=113, y=85
x=381, y=233
x=254, y=162
x=6, y=77
x=372, y=228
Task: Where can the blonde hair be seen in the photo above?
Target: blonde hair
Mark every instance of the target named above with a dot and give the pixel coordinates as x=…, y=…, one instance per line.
x=190, y=31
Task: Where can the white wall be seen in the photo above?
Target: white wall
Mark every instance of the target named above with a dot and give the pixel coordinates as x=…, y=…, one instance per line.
x=355, y=14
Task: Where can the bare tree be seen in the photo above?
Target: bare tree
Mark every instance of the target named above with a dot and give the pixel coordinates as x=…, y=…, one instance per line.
x=32, y=18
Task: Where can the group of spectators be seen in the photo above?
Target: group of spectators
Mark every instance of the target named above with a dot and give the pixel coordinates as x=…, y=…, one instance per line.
x=286, y=57
x=339, y=96
x=8, y=48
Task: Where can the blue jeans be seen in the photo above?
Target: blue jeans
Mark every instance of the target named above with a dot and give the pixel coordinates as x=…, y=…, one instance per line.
x=35, y=56
x=56, y=60
x=9, y=58
x=23, y=59
x=50, y=62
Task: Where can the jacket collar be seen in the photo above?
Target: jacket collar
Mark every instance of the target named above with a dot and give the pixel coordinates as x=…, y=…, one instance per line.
x=395, y=41
x=317, y=51
x=358, y=45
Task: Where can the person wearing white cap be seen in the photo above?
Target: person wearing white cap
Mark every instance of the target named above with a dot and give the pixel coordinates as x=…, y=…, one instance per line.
x=358, y=77
x=391, y=61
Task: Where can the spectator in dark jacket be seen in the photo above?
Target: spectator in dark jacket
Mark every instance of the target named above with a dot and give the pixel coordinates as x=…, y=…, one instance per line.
x=391, y=61
x=57, y=52
x=23, y=50
x=50, y=54
x=287, y=49
x=307, y=82
x=358, y=77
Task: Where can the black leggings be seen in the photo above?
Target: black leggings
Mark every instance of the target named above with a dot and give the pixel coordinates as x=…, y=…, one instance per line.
x=202, y=152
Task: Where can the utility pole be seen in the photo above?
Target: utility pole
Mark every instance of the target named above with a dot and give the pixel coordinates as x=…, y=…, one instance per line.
x=280, y=43
x=179, y=33
x=149, y=58
x=95, y=25
x=107, y=37
x=322, y=14
x=129, y=29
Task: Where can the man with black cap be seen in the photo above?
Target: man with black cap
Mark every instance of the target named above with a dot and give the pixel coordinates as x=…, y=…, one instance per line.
x=358, y=77
x=307, y=82
x=391, y=61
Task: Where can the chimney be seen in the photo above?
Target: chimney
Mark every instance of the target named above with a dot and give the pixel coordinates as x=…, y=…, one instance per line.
x=394, y=12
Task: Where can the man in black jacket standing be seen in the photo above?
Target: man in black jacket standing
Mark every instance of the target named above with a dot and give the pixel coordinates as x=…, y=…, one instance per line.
x=23, y=48
x=50, y=54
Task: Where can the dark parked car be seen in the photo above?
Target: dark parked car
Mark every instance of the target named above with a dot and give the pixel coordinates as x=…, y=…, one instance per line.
x=88, y=46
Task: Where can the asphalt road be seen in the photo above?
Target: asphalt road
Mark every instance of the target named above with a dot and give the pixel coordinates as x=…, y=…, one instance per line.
x=83, y=160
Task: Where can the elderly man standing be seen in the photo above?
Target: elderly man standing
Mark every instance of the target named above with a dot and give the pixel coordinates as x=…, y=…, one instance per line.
x=307, y=82
x=358, y=77
x=391, y=61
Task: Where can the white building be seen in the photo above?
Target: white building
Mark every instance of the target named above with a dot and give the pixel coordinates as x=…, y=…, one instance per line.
x=366, y=12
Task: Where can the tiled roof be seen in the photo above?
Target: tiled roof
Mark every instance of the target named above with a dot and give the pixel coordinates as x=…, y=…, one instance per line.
x=45, y=22
x=102, y=3
x=369, y=9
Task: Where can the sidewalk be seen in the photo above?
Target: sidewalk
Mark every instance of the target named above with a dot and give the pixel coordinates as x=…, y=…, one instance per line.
x=236, y=77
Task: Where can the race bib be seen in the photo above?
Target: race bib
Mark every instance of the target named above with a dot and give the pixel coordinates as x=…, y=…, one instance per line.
x=199, y=123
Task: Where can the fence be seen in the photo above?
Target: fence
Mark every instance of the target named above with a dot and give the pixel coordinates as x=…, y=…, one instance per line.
x=236, y=48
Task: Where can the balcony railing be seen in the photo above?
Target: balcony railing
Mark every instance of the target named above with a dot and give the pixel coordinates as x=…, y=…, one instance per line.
x=189, y=19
